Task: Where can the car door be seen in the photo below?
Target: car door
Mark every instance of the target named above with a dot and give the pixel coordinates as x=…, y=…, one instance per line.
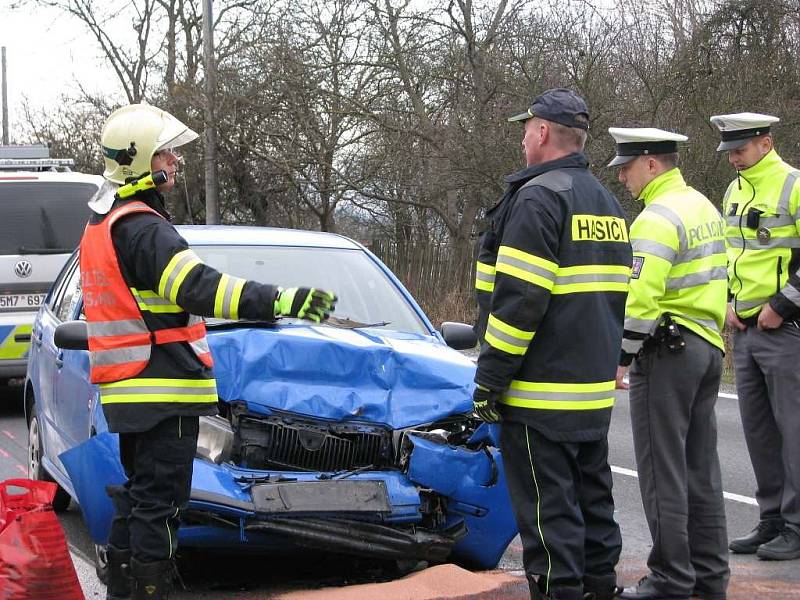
x=44, y=362
x=74, y=395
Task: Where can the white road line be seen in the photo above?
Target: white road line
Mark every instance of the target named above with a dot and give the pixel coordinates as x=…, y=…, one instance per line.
x=727, y=495
x=727, y=395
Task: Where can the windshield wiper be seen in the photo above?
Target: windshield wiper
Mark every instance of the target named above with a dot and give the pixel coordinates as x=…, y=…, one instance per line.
x=26, y=250
x=348, y=323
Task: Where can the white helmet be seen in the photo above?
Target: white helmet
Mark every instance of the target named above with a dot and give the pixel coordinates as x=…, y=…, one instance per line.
x=133, y=133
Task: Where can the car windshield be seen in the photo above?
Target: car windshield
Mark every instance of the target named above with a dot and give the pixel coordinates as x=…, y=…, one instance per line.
x=366, y=295
x=42, y=217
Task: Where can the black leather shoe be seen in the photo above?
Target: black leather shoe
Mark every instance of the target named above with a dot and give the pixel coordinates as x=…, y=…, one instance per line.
x=119, y=573
x=151, y=580
x=784, y=547
x=600, y=587
x=645, y=590
x=765, y=531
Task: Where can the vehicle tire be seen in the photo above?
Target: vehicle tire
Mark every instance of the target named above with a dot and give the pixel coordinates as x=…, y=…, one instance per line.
x=101, y=563
x=36, y=470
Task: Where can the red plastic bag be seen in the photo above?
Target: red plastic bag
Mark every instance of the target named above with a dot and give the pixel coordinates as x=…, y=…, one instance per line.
x=34, y=559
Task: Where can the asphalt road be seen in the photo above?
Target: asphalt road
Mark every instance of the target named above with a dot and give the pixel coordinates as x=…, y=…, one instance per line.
x=254, y=576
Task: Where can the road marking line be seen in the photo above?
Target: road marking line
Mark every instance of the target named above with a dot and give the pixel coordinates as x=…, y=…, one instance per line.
x=4, y=454
x=9, y=434
x=727, y=395
x=22, y=469
x=726, y=495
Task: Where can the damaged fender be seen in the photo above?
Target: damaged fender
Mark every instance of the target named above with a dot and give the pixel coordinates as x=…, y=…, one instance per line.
x=473, y=481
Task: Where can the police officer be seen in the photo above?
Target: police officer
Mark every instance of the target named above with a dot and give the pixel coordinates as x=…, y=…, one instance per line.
x=552, y=276
x=673, y=321
x=762, y=209
x=142, y=287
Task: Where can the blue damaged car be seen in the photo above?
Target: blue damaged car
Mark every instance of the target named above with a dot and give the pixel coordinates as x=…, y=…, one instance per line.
x=352, y=437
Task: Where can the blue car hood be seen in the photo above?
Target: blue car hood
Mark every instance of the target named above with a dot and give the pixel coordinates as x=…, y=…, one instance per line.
x=377, y=376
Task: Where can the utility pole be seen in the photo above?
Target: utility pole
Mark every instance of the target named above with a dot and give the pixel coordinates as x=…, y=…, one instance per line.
x=210, y=133
x=5, y=100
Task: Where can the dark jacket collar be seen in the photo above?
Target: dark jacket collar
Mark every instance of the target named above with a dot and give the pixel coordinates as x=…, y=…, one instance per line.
x=576, y=160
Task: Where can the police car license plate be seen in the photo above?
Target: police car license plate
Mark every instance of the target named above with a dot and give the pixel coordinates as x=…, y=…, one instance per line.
x=21, y=301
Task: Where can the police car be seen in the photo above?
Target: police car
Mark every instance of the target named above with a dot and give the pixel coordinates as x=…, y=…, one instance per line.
x=43, y=207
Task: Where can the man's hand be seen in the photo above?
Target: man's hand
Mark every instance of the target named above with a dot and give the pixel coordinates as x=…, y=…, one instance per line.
x=769, y=319
x=621, y=372
x=305, y=303
x=483, y=404
x=733, y=319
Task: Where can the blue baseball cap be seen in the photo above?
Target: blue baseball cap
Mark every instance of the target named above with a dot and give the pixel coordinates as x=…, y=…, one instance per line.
x=558, y=105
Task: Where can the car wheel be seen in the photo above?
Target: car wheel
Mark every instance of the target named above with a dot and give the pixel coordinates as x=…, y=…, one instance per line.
x=101, y=563
x=36, y=470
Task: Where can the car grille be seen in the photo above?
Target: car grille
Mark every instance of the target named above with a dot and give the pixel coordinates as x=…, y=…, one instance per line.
x=272, y=442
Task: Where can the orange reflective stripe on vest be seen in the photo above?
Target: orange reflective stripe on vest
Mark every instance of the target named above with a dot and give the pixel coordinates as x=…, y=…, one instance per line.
x=119, y=340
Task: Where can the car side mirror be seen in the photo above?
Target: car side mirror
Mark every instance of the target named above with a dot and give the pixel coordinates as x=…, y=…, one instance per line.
x=459, y=336
x=72, y=335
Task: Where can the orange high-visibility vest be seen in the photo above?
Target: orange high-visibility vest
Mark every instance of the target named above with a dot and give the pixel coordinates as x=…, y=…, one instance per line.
x=119, y=339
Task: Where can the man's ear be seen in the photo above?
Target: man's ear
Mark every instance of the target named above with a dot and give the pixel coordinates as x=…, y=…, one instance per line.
x=544, y=133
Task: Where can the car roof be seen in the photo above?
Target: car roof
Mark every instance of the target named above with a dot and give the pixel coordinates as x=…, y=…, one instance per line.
x=241, y=235
x=50, y=176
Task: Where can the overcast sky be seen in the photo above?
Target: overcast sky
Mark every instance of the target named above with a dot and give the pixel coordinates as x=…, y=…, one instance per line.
x=46, y=53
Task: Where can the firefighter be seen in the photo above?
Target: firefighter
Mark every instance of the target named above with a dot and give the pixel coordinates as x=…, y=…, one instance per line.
x=673, y=322
x=142, y=289
x=762, y=211
x=552, y=277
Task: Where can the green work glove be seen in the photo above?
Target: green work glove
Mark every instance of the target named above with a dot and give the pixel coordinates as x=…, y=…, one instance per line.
x=305, y=303
x=483, y=404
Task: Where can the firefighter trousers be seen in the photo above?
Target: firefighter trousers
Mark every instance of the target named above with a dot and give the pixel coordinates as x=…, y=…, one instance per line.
x=158, y=463
x=672, y=399
x=561, y=496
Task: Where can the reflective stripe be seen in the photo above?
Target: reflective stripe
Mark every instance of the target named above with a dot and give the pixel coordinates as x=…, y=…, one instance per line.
x=149, y=301
x=769, y=222
x=119, y=355
x=560, y=396
x=631, y=346
x=707, y=323
x=109, y=328
x=484, y=277
x=646, y=326
x=775, y=242
x=538, y=507
x=175, y=272
x=695, y=279
x=748, y=304
x=702, y=251
x=673, y=218
x=504, y=337
x=159, y=390
x=200, y=346
x=786, y=192
x=226, y=301
x=592, y=278
x=641, y=246
x=791, y=294
x=525, y=266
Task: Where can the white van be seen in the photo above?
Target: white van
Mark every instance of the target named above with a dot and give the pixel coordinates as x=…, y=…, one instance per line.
x=43, y=212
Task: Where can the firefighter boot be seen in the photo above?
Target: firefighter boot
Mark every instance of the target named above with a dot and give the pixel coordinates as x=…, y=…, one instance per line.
x=119, y=573
x=555, y=593
x=151, y=580
x=600, y=587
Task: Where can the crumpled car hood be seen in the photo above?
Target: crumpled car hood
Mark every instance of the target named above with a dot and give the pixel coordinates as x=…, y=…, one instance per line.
x=397, y=379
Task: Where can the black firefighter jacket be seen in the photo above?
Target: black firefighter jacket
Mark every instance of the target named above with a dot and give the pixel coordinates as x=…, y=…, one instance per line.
x=552, y=279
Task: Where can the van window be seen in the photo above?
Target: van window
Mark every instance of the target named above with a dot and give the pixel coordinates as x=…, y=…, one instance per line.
x=42, y=217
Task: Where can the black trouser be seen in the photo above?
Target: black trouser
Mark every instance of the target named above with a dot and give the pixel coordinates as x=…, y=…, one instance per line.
x=158, y=463
x=672, y=398
x=561, y=495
